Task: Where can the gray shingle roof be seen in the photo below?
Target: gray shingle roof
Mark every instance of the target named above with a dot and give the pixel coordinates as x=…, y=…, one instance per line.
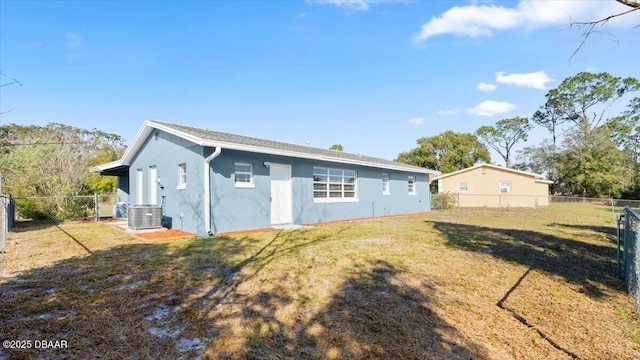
x=303, y=150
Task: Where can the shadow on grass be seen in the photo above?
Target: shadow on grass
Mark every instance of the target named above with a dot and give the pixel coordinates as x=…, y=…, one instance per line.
x=589, y=265
x=83, y=246
x=579, y=262
x=609, y=231
x=161, y=300
x=376, y=315
x=32, y=225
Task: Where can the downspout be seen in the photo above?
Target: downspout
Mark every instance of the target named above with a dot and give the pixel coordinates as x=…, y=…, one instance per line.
x=207, y=188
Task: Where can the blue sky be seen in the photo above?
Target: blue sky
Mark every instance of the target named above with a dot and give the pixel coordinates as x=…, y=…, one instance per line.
x=373, y=76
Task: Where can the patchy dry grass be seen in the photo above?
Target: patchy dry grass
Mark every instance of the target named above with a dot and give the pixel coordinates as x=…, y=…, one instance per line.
x=479, y=283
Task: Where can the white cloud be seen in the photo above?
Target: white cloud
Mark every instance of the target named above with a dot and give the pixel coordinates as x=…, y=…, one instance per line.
x=448, y=112
x=490, y=108
x=416, y=120
x=74, y=41
x=487, y=87
x=536, y=80
x=303, y=15
x=74, y=45
x=361, y=5
x=484, y=20
x=358, y=5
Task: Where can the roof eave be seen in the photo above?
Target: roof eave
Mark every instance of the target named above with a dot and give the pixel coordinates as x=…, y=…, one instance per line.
x=264, y=150
x=535, y=176
x=149, y=126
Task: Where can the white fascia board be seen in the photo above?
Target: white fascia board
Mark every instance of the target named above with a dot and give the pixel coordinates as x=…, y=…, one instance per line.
x=107, y=166
x=150, y=125
x=145, y=131
x=136, y=144
x=263, y=150
x=536, y=176
x=381, y=166
x=457, y=172
x=188, y=137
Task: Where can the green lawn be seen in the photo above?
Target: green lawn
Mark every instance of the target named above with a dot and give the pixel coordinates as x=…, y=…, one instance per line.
x=465, y=283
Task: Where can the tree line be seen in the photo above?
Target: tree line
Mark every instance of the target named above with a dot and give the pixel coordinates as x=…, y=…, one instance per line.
x=592, y=150
x=54, y=162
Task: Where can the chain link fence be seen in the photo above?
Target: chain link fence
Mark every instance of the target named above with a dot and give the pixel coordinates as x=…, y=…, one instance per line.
x=629, y=260
x=65, y=208
x=58, y=209
x=449, y=200
x=616, y=203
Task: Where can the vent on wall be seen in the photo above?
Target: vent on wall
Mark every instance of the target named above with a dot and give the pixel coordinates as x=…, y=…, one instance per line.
x=145, y=217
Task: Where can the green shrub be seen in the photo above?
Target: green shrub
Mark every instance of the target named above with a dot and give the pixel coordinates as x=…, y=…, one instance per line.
x=443, y=201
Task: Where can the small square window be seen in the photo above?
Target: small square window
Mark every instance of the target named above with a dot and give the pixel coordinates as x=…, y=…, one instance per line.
x=505, y=186
x=385, y=184
x=463, y=187
x=243, y=175
x=411, y=185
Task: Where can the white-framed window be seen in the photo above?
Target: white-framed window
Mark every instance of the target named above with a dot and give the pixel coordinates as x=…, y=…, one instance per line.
x=182, y=176
x=505, y=186
x=334, y=184
x=411, y=184
x=385, y=184
x=243, y=175
x=463, y=187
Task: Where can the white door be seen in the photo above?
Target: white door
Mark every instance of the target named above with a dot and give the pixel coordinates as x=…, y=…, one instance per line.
x=280, y=194
x=153, y=185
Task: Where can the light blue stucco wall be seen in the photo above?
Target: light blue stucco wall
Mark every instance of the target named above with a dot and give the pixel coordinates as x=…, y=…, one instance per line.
x=123, y=188
x=185, y=207
x=236, y=209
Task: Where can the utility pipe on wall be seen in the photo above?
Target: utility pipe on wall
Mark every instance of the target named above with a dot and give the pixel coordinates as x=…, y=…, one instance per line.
x=207, y=187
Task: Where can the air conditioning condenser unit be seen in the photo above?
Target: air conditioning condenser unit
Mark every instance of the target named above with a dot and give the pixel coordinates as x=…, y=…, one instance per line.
x=145, y=217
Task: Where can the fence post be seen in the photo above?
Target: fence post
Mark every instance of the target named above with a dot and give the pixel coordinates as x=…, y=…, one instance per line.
x=14, y=211
x=4, y=218
x=97, y=207
x=636, y=263
x=619, y=254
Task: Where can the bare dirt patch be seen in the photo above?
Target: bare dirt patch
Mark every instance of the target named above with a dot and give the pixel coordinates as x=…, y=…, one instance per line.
x=166, y=234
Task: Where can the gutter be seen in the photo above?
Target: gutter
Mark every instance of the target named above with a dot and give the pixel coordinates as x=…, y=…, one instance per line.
x=207, y=189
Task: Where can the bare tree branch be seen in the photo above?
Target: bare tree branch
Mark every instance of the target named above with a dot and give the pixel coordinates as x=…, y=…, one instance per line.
x=630, y=3
x=591, y=25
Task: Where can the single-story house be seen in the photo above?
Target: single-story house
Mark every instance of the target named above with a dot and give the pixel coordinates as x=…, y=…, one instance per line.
x=209, y=182
x=494, y=186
